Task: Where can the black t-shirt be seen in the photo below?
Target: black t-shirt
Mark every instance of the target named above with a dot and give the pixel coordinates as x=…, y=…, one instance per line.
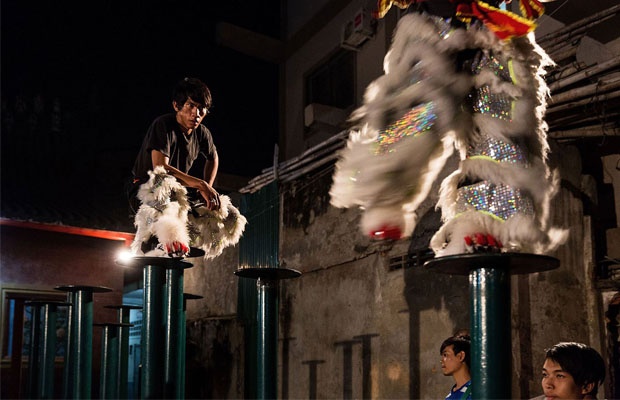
x=165, y=135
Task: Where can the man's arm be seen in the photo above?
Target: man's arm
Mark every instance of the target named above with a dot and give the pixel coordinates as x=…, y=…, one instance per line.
x=205, y=188
x=211, y=167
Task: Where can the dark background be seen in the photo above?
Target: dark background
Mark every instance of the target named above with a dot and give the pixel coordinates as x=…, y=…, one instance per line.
x=81, y=82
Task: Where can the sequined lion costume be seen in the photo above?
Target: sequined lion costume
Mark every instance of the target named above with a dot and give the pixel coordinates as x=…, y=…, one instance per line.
x=471, y=83
x=167, y=225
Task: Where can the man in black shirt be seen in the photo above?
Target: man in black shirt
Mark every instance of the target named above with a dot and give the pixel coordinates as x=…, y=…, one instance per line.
x=175, y=141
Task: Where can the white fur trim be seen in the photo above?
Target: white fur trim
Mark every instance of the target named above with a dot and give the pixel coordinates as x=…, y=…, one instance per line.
x=164, y=214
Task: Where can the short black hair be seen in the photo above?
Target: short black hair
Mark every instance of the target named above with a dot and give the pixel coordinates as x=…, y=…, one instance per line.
x=583, y=362
x=192, y=88
x=459, y=342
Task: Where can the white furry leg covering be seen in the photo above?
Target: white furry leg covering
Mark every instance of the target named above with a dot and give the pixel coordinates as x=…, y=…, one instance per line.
x=404, y=129
x=162, y=214
x=503, y=186
x=213, y=231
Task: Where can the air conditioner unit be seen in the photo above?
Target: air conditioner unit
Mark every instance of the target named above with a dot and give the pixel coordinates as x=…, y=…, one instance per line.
x=358, y=30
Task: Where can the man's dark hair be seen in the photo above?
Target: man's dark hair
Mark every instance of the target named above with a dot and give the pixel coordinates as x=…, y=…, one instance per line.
x=459, y=342
x=192, y=88
x=584, y=363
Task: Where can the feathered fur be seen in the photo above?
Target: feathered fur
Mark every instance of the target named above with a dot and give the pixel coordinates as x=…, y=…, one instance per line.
x=420, y=69
x=165, y=214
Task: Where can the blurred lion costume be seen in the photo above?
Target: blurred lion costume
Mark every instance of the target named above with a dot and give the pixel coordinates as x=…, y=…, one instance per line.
x=460, y=83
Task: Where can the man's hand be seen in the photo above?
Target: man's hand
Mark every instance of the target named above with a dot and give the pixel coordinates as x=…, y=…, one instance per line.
x=211, y=197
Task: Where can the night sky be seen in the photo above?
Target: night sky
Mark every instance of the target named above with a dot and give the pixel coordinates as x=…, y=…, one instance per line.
x=82, y=82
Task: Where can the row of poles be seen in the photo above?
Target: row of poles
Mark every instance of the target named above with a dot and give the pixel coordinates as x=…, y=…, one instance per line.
x=163, y=337
x=163, y=329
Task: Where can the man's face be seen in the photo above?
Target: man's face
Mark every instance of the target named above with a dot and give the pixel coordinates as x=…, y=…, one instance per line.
x=558, y=384
x=190, y=114
x=451, y=362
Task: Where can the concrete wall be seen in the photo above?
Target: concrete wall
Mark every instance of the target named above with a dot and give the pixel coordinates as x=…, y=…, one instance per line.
x=353, y=325
x=358, y=324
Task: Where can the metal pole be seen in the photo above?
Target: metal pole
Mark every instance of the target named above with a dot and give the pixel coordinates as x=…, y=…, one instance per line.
x=68, y=366
x=162, y=309
x=42, y=348
x=152, y=335
x=347, y=367
x=267, y=321
x=162, y=303
x=183, y=332
x=489, y=288
x=267, y=325
x=312, y=377
x=33, y=356
x=109, y=362
x=48, y=356
x=491, y=352
x=174, y=356
x=124, y=313
x=81, y=356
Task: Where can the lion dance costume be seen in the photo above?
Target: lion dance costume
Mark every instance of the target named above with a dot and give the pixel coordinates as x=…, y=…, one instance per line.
x=473, y=83
x=167, y=225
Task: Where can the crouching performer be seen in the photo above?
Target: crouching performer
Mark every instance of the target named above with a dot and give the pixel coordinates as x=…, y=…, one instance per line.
x=176, y=210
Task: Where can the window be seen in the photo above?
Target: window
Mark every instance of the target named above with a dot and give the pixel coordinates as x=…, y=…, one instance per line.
x=333, y=82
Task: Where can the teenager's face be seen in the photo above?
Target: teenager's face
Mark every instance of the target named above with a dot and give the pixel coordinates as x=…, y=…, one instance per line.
x=558, y=384
x=190, y=114
x=451, y=362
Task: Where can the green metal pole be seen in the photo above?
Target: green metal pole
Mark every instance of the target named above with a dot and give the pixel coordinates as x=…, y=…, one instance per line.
x=123, y=351
x=267, y=319
x=174, y=356
x=491, y=334
x=266, y=326
x=68, y=365
x=83, y=344
x=48, y=356
x=489, y=289
x=33, y=356
x=162, y=304
x=152, y=333
x=183, y=342
x=109, y=362
x=124, y=314
x=183, y=332
x=80, y=349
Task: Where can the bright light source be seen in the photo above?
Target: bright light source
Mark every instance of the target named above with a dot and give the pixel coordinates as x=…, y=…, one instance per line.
x=124, y=255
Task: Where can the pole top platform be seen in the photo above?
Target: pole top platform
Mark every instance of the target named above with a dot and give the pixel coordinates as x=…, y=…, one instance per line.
x=167, y=262
x=114, y=324
x=268, y=273
x=515, y=263
x=84, y=288
x=124, y=307
x=47, y=302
